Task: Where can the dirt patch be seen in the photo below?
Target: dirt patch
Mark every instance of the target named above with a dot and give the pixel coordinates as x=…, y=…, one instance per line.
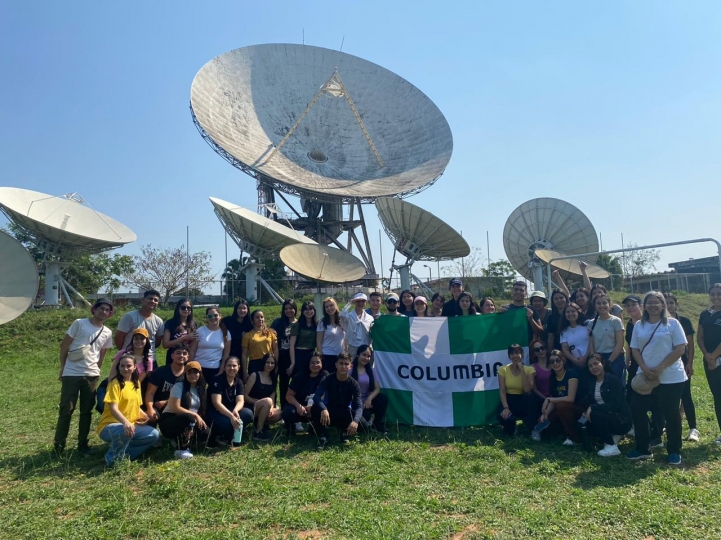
x=468, y=530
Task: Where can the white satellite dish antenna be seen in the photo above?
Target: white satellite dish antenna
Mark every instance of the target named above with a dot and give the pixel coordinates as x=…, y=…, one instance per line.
x=258, y=236
x=322, y=125
x=549, y=224
x=322, y=263
x=419, y=235
x=18, y=279
x=571, y=265
x=61, y=227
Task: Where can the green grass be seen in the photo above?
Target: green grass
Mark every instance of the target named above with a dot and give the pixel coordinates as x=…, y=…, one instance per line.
x=417, y=483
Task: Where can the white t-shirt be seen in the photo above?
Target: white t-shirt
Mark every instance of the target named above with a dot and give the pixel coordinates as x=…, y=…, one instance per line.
x=663, y=342
x=604, y=333
x=333, y=337
x=133, y=319
x=83, y=332
x=577, y=339
x=357, y=327
x=210, y=347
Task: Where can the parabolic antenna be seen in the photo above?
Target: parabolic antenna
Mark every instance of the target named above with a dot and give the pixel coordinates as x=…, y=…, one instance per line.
x=312, y=120
x=323, y=263
x=546, y=223
x=255, y=234
x=571, y=265
x=418, y=234
x=18, y=279
x=62, y=225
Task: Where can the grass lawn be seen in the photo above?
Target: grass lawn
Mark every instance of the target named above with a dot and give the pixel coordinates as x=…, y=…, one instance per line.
x=416, y=483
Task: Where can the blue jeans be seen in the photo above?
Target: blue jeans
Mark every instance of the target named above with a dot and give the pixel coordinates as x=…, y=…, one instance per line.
x=122, y=446
x=618, y=366
x=222, y=427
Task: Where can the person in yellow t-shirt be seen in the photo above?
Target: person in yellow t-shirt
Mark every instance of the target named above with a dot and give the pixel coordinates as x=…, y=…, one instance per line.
x=256, y=344
x=515, y=383
x=123, y=423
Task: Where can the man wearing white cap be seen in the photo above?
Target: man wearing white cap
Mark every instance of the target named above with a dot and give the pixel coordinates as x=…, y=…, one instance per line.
x=356, y=323
x=392, y=305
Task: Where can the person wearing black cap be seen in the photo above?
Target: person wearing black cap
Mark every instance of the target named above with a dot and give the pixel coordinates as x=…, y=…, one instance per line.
x=81, y=355
x=451, y=308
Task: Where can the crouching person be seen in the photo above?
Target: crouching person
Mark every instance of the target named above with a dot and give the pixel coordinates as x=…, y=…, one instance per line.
x=515, y=382
x=227, y=397
x=299, y=396
x=182, y=418
x=337, y=402
x=123, y=423
x=562, y=406
x=374, y=403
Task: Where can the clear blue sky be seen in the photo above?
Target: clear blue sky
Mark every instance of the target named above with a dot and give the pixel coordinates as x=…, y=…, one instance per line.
x=614, y=107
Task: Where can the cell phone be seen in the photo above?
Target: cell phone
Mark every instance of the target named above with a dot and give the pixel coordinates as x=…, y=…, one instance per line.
x=718, y=361
x=582, y=420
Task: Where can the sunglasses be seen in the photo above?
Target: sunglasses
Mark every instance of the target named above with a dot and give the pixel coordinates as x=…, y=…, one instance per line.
x=556, y=361
x=538, y=349
x=185, y=308
x=391, y=301
x=213, y=316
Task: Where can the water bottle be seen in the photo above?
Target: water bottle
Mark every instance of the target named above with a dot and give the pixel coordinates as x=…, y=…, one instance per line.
x=238, y=435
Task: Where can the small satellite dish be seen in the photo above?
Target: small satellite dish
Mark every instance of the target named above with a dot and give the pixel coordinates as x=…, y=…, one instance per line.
x=255, y=234
x=62, y=225
x=571, y=265
x=323, y=263
x=546, y=223
x=418, y=234
x=18, y=279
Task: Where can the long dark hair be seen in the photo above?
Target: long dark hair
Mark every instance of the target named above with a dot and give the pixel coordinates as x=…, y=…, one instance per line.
x=247, y=323
x=201, y=387
x=274, y=373
x=565, y=323
x=590, y=309
x=189, y=322
x=402, y=307
x=146, y=351
x=369, y=367
x=134, y=378
x=314, y=321
x=283, y=317
x=472, y=309
x=554, y=309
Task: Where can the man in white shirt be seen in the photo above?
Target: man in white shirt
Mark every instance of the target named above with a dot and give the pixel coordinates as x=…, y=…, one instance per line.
x=144, y=317
x=81, y=354
x=356, y=323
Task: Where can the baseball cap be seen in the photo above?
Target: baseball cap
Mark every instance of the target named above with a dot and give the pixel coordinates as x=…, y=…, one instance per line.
x=193, y=365
x=359, y=296
x=391, y=296
x=142, y=331
x=632, y=298
x=420, y=299
x=455, y=281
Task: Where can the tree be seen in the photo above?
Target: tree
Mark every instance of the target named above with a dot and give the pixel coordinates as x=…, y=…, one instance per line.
x=169, y=270
x=640, y=262
x=504, y=271
x=90, y=273
x=613, y=265
x=465, y=267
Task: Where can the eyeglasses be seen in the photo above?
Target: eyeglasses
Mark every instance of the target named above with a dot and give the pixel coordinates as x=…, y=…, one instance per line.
x=556, y=361
x=538, y=349
x=213, y=315
x=185, y=308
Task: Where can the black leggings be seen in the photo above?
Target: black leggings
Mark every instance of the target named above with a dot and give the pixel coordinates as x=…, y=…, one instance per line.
x=521, y=406
x=605, y=424
x=340, y=418
x=283, y=377
x=714, y=383
x=667, y=399
x=378, y=410
x=180, y=427
x=688, y=406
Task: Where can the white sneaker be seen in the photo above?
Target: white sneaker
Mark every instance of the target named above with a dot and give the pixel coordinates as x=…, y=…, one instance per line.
x=631, y=432
x=609, y=450
x=616, y=438
x=183, y=454
x=299, y=428
x=693, y=435
x=568, y=442
x=535, y=435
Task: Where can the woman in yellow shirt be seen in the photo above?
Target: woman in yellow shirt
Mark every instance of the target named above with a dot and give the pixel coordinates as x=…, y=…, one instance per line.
x=256, y=344
x=123, y=423
x=515, y=382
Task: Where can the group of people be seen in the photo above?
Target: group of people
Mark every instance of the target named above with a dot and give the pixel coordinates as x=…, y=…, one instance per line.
x=310, y=370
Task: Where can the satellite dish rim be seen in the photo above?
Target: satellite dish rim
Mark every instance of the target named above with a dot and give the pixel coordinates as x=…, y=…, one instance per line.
x=571, y=265
x=306, y=253
x=14, y=253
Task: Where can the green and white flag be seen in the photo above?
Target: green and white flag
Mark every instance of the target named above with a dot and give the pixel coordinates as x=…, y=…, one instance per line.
x=443, y=372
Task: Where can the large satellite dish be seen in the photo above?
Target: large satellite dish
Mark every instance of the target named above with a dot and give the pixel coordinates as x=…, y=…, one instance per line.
x=549, y=224
x=18, y=279
x=329, y=127
x=571, y=266
x=61, y=227
x=322, y=263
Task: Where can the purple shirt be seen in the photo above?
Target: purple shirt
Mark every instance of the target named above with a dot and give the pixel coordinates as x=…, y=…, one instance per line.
x=364, y=383
x=543, y=379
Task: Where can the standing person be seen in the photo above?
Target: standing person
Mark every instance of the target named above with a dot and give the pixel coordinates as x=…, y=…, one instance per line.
x=123, y=423
x=538, y=301
x=81, y=355
x=144, y=317
x=392, y=305
x=519, y=302
x=420, y=306
x=260, y=397
x=559, y=301
x=330, y=337
x=607, y=411
x=282, y=326
x=375, y=299
x=582, y=298
x=515, y=383
x=238, y=323
x=257, y=344
x=212, y=346
x=406, y=305
x=181, y=328
x=632, y=305
x=337, y=402
x=162, y=380
x=687, y=404
x=487, y=305
x=356, y=323
x=466, y=305
x=183, y=418
x=374, y=403
x=303, y=338
x=709, y=341
x=227, y=398
x=607, y=336
x=561, y=404
x=436, y=305
x=450, y=308
x=575, y=339
x=597, y=289
x=657, y=345
x=299, y=399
